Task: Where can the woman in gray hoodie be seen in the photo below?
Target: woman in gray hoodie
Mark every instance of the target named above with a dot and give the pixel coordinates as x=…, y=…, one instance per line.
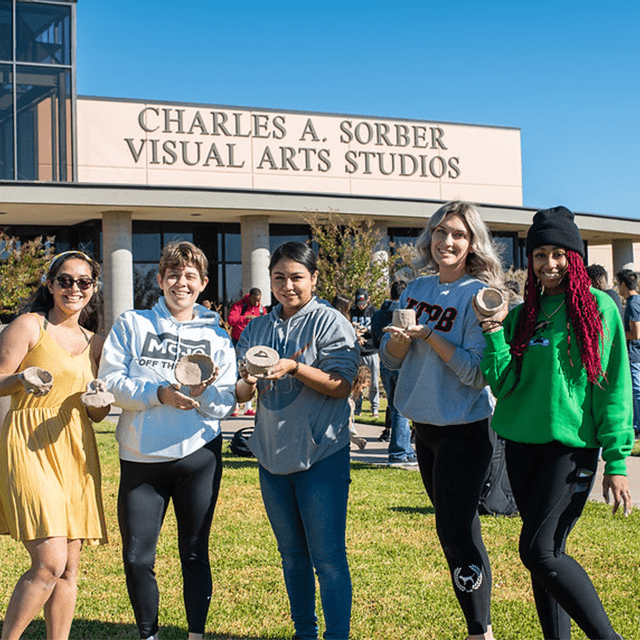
x=301, y=440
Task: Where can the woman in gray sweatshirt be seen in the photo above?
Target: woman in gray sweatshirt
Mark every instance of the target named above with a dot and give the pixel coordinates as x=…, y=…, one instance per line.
x=301, y=440
x=442, y=389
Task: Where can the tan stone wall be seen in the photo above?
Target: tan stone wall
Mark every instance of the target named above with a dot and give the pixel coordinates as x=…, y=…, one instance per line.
x=123, y=142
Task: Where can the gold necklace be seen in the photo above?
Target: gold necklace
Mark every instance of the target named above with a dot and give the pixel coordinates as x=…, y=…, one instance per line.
x=543, y=324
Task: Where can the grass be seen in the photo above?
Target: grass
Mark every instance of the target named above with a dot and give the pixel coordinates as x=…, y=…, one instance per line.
x=401, y=586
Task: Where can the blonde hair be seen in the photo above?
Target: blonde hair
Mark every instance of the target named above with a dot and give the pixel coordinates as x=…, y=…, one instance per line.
x=177, y=255
x=483, y=262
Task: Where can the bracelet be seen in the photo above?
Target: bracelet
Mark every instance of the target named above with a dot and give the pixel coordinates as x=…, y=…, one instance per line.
x=429, y=334
x=294, y=373
x=498, y=322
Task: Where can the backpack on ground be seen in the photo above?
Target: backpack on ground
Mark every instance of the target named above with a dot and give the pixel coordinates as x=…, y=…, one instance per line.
x=496, y=497
x=238, y=444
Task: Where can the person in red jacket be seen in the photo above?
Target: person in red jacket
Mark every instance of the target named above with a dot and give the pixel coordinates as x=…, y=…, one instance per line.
x=240, y=314
x=243, y=311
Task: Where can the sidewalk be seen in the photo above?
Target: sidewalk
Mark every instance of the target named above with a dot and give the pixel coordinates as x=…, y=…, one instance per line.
x=376, y=453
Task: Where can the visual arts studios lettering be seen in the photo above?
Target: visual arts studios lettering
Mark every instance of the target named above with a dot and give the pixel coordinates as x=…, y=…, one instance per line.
x=184, y=138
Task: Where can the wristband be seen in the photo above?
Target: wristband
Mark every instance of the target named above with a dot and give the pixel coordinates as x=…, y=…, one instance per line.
x=429, y=334
x=498, y=322
x=294, y=373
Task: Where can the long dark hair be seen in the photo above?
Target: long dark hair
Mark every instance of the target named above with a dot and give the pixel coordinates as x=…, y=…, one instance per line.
x=41, y=300
x=583, y=316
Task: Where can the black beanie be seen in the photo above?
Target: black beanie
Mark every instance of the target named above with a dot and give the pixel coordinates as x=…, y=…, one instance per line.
x=555, y=227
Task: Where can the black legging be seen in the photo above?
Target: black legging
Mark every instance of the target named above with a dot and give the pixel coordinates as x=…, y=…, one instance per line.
x=145, y=490
x=551, y=484
x=453, y=462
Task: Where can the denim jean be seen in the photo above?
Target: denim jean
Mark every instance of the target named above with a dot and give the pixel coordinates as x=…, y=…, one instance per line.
x=308, y=514
x=400, y=441
x=635, y=387
x=372, y=362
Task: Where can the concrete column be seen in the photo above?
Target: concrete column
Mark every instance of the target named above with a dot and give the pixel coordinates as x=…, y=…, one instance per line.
x=117, y=265
x=254, y=236
x=622, y=256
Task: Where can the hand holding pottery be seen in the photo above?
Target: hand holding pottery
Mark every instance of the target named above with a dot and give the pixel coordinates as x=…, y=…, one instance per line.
x=259, y=359
x=36, y=380
x=195, y=369
x=96, y=395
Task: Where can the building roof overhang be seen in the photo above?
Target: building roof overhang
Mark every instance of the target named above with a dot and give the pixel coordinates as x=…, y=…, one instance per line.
x=65, y=204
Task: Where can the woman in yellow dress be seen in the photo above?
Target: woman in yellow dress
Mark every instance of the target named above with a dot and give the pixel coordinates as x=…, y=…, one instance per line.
x=50, y=497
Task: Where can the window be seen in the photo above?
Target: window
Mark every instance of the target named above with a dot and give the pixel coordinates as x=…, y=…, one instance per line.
x=6, y=31
x=36, y=91
x=6, y=123
x=43, y=33
x=43, y=123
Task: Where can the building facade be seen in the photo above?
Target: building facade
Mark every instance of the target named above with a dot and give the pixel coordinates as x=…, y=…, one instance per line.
x=121, y=178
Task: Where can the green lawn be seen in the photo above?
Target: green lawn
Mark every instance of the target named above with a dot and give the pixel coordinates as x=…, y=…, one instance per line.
x=401, y=586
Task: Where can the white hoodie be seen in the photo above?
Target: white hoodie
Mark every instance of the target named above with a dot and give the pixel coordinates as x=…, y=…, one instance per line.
x=139, y=355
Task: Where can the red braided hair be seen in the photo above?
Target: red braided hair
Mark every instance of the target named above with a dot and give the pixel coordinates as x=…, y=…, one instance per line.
x=582, y=311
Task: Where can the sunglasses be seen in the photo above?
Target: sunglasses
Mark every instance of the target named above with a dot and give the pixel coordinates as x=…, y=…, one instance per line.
x=66, y=282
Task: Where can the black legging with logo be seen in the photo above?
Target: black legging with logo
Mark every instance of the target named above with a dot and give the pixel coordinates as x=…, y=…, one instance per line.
x=193, y=484
x=551, y=483
x=453, y=462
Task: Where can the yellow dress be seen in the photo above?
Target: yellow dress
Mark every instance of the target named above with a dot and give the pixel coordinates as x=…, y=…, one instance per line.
x=49, y=466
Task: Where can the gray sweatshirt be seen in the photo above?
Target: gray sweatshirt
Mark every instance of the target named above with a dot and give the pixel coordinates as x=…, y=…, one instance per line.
x=429, y=389
x=295, y=425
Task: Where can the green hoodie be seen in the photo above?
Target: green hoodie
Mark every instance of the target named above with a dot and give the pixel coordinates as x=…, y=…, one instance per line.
x=554, y=400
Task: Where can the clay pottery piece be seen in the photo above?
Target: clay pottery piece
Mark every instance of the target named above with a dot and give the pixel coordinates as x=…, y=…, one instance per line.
x=194, y=369
x=488, y=301
x=96, y=395
x=37, y=379
x=260, y=359
x=404, y=318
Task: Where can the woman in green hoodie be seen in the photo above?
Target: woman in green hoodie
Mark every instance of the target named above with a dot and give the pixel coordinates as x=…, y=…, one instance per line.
x=557, y=365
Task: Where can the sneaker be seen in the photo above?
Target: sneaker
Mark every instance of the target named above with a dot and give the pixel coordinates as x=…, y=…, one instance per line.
x=410, y=462
x=385, y=436
x=375, y=415
x=249, y=412
x=235, y=413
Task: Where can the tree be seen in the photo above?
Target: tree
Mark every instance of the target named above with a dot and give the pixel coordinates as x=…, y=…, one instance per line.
x=349, y=256
x=22, y=265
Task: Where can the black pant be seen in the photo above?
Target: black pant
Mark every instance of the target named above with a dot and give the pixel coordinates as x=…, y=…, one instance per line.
x=453, y=462
x=551, y=484
x=145, y=490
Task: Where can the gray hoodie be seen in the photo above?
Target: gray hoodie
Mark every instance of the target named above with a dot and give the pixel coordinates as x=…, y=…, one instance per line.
x=295, y=425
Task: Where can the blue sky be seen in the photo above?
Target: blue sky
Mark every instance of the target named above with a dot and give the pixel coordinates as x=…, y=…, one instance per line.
x=566, y=72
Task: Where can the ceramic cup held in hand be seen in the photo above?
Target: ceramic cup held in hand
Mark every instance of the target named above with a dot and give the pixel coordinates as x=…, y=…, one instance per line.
x=488, y=301
x=194, y=369
x=403, y=318
x=259, y=359
x=96, y=395
x=37, y=381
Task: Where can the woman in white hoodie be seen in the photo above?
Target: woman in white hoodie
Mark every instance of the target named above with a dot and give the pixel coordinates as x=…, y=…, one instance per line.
x=169, y=436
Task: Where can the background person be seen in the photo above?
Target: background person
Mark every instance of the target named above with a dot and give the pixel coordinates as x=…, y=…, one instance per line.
x=361, y=314
x=600, y=280
x=240, y=314
x=243, y=311
x=558, y=367
x=441, y=388
x=628, y=287
x=169, y=436
x=301, y=439
x=50, y=496
x=401, y=452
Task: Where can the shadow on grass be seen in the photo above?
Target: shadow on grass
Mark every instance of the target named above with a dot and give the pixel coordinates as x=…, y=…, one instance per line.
x=82, y=629
x=236, y=462
x=425, y=511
